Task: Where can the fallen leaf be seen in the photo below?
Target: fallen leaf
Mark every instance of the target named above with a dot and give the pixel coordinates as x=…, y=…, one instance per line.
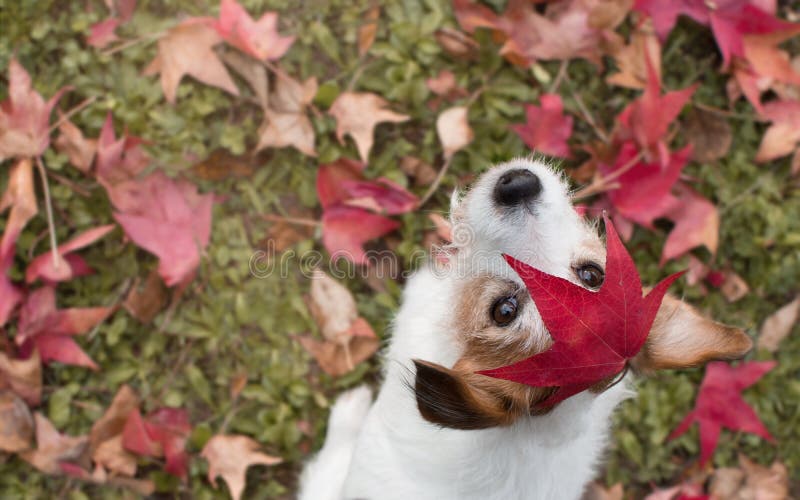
x=163, y=433
x=221, y=165
x=101, y=34
x=168, y=218
x=632, y=59
x=369, y=28
x=422, y=172
x=645, y=188
x=332, y=307
x=78, y=149
x=259, y=39
x=764, y=483
x=457, y=44
x=16, y=423
x=253, y=72
x=696, y=223
x=69, y=266
x=53, y=448
x=187, y=49
x=719, y=404
x=646, y=120
x=118, y=160
x=23, y=376
x=337, y=359
x=454, y=131
x=24, y=116
x=357, y=114
x=782, y=136
x=111, y=455
x=146, y=301
x=144, y=487
x=113, y=420
x=230, y=457
x=21, y=198
x=547, y=129
x=708, y=133
x=50, y=331
x=589, y=343
x=381, y=195
x=331, y=178
x=285, y=121
x=779, y=325
x=346, y=229
x=733, y=287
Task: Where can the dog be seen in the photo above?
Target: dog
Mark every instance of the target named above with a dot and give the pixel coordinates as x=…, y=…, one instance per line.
x=437, y=430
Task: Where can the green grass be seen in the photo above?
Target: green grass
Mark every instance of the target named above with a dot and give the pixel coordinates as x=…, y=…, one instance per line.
x=230, y=322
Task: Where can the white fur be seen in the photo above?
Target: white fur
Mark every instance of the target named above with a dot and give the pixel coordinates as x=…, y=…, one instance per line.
x=398, y=454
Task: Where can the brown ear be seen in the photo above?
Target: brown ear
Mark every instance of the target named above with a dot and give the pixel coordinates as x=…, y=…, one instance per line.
x=446, y=398
x=680, y=337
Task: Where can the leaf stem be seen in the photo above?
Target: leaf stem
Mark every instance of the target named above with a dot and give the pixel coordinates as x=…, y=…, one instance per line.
x=436, y=182
x=49, y=210
x=69, y=114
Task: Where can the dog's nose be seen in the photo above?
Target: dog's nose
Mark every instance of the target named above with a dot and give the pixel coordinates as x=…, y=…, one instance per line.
x=517, y=186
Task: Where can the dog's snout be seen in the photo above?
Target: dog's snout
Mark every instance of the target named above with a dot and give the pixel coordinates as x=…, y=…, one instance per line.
x=517, y=186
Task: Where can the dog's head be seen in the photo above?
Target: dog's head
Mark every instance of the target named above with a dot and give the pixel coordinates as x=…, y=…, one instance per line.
x=523, y=209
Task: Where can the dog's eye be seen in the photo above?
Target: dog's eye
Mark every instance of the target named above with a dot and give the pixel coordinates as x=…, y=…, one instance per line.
x=504, y=311
x=590, y=275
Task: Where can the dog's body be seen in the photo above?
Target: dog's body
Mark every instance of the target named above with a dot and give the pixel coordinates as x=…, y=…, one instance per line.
x=437, y=430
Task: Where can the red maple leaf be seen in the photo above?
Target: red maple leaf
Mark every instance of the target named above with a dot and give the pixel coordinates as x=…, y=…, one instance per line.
x=348, y=201
x=719, y=404
x=163, y=433
x=49, y=330
x=24, y=116
x=120, y=159
x=595, y=333
x=644, y=191
x=646, y=120
x=730, y=20
x=547, y=128
x=259, y=39
x=68, y=265
x=168, y=218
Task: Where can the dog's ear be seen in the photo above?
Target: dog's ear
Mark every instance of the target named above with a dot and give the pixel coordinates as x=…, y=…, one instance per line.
x=446, y=398
x=681, y=337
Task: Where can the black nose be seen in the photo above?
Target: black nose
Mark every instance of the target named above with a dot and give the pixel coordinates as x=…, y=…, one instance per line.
x=517, y=186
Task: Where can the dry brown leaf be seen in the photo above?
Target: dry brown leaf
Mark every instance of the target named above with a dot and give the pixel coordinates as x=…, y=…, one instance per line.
x=287, y=129
x=221, y=165
x=368, y=30
x=596, y=491
x=734, y=287
x=78, y=149
x=23, y=376
x=778, y=325
x=709, y=133
x=765, y=483
x=144, y=487
x=337, y=359
x=16, y=423
x=113, y=420
x=187, y=49
x=454, y=130
x=21, y=197
x=53, y=447
x=237, y=384
x=112, y=455
x=726, y=483
x=457, y=43
x=332, y=306
x=253, y=72
x=285, y=121
x=632, y=59
x=422, y=172
x=357, y=114
x=230, y=456
x=145, y=302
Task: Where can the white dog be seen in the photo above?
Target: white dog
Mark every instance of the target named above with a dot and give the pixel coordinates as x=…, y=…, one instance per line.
x=438, y=430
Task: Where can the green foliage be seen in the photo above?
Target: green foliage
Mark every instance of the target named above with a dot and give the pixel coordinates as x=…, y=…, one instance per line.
x=230, y=322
